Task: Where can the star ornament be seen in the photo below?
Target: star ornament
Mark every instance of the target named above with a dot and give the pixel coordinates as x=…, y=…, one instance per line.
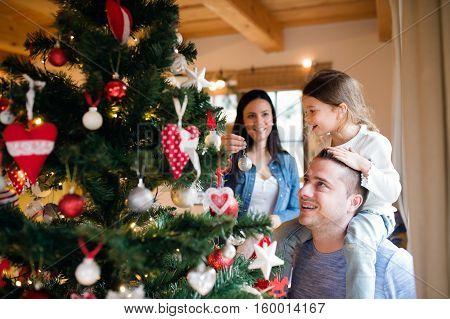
x=196, y=79
x=266, y=259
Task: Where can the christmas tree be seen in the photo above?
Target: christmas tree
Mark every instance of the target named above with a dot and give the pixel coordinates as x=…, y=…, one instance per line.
x=107, y=143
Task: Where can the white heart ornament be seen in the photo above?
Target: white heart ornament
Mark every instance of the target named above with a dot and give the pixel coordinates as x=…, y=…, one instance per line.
x=219, y=199
x=202, y=279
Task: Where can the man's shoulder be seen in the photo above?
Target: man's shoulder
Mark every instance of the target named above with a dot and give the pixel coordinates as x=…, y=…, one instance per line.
x=395, y=271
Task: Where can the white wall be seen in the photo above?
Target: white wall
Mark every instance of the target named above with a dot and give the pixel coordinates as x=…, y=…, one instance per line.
x=352, y=47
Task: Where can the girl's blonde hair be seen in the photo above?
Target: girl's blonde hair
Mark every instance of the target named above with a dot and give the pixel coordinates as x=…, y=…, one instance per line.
x=335, y=87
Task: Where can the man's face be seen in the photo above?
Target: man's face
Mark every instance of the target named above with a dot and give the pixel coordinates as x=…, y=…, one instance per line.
x=324, y=201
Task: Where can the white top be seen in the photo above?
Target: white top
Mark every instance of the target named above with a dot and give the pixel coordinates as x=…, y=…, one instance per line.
x=264, y=195
x=383, y=181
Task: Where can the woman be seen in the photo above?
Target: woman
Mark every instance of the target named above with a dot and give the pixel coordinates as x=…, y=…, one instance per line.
x=271, y=185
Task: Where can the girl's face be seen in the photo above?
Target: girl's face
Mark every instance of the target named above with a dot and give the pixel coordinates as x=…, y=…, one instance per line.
x=321, y=117
x=258, y=119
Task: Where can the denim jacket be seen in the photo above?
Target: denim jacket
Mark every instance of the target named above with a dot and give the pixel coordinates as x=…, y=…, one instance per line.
x=284, y=169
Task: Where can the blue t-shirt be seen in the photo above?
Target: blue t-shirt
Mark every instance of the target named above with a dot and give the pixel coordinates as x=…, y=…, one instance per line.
x=322, y=275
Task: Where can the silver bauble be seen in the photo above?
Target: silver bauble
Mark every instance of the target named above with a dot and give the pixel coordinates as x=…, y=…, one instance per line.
x=2, y=183
x=179, y=64
x=92, y=120
x=88, y=272
x=184, y=197
x=6, y=117
x=140, y=198
x=213, y=139
x=244, y=163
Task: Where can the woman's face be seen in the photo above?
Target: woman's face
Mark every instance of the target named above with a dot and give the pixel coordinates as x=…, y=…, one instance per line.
x=258, y=120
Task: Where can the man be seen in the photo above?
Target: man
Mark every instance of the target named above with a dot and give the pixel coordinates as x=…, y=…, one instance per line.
x=330, y=197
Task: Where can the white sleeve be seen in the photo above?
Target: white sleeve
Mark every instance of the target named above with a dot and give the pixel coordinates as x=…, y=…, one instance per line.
x=382, y=179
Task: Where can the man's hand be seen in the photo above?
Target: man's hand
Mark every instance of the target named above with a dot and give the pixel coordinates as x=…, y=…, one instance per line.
x=233, y=143
x=351, y=159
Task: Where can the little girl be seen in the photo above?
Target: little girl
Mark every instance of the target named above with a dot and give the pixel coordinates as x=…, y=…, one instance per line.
x=334, y=107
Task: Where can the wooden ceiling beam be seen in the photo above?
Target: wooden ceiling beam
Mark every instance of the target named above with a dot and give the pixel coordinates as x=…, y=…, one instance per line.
x=252, y=20
x=384, y=20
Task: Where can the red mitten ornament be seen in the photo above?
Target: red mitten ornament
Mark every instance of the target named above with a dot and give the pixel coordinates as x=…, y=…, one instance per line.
x=119, y=19
x=30, y=147
x=171, y=140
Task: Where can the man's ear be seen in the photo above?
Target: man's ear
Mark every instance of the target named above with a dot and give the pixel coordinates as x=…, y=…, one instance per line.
x=356, y=200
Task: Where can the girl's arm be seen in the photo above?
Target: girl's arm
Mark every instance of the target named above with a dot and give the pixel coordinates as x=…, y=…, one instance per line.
x=382, y=179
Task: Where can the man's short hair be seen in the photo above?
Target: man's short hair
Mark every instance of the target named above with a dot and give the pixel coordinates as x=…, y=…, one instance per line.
x=351, y=177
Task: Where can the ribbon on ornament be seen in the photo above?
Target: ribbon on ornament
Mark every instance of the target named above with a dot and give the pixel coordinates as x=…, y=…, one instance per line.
x=31, y=94
x=89, y=254
x=90, y=101
x=188, y=145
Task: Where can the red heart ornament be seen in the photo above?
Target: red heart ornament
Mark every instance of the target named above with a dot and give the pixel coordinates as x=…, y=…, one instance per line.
x=171, y=140
x=30, y=147
x=219, y=199
x=17, y=177
x=119, y=20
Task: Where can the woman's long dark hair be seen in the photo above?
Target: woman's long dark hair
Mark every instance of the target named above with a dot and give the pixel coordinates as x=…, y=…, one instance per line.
x=273, y=140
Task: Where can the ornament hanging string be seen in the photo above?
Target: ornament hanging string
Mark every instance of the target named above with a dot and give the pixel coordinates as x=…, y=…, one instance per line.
x=187, y=144
x=31, y=94
x=89, y=254
x=116, y=69
x=90, y=101
x=219, y=176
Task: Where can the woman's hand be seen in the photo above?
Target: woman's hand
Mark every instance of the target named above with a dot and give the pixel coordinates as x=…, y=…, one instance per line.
x=233, y=143
x=351, y=159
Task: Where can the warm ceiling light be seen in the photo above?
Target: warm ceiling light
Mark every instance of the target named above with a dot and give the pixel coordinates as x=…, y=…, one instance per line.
x=307, y=63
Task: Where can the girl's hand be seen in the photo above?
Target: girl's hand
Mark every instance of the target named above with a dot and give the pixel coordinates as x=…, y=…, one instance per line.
x=351, y=159
x=233, y=143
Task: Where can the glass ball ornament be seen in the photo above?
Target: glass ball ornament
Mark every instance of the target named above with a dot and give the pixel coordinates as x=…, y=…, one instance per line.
x=140, y=198
x=57, y=57
x=88, y=272
x=92, y=119
x=6, y=117
x=245, y=163
x=115, y=90
x=184, y=197
x=213, y=139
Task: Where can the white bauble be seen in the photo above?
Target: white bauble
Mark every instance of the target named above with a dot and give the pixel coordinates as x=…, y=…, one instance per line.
x=229, y=251
x=6, y=117
x=244, y=163
x=213, y=139
x=184, y=197
x=140, y=198
x=92, y=120
x=88, y=272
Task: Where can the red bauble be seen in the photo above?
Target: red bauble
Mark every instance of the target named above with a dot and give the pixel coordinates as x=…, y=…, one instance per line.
x=115, y=90
x=35, y=294
x=4, y=104
x=71, y=205
x=232, y=210
x=57, y=57
x=218, y=261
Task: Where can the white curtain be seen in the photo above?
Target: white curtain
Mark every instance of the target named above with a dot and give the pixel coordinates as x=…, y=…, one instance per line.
x=421, y=139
